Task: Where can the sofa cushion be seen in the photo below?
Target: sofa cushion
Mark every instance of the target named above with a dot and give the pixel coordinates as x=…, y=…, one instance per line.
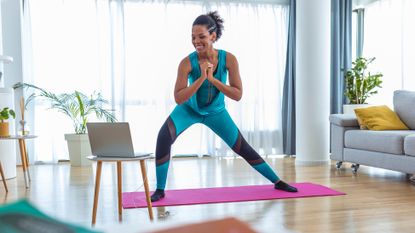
x=403, y=102
x=379, y=118
x=381, y=141
x=409, y=145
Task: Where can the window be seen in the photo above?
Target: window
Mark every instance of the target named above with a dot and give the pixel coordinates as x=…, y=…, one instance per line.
x=130, y=51
x=389, y=35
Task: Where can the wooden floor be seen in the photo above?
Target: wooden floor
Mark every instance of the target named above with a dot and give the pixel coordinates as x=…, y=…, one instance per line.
x=377, y=200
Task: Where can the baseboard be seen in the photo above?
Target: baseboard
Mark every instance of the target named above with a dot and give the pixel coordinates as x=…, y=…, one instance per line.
x=185, y=155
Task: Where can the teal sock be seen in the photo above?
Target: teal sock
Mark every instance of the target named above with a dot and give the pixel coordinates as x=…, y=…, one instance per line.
x=161, y=173
x=266, y=171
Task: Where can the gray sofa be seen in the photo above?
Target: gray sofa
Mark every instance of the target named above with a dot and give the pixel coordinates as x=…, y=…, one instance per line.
x=392, y=149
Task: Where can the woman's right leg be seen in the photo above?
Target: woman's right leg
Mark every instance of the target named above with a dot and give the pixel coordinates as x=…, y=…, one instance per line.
x=179, y=120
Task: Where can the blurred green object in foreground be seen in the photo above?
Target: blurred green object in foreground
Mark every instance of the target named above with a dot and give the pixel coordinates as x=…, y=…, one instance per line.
x=22, y=217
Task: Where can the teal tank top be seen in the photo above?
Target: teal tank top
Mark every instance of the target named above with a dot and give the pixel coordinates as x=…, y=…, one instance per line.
x=208, y=99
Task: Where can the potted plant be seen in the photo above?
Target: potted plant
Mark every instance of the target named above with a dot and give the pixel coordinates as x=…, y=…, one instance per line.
x=360, y=84
x=78, y=107
x=5, y=114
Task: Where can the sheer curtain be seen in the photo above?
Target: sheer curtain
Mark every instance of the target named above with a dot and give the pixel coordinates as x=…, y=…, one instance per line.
x=390, y=36
x=130, y=51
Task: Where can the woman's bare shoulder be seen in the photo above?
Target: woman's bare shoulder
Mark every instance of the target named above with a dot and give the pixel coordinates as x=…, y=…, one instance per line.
x=230, y=58
x=185, y=61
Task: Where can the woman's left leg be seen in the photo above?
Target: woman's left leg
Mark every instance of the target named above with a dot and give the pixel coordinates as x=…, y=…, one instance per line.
x=223, y=125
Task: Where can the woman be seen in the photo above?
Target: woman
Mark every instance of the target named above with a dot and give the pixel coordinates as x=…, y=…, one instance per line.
x=202, y=101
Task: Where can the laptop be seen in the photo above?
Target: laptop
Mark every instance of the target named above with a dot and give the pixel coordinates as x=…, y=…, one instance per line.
x=112, y=140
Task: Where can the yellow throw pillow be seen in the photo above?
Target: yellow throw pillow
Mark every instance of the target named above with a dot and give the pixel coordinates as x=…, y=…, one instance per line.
x=380, y=118
x=361, y=124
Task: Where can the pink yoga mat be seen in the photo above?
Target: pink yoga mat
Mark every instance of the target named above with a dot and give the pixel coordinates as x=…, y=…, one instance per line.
x=226, y=194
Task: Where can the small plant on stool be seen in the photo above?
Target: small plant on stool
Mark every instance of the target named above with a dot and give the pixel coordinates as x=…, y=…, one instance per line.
x=5, y=114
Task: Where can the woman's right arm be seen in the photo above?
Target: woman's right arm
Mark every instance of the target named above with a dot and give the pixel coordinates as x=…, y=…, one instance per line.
x=182, y=92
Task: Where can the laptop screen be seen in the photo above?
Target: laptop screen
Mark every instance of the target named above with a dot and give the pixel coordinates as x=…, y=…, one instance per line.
x=110, y=139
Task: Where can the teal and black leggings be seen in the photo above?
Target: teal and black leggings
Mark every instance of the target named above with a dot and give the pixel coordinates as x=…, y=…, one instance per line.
x=221, y=123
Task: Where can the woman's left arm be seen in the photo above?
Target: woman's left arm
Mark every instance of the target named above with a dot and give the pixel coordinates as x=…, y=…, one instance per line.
x=234, y=90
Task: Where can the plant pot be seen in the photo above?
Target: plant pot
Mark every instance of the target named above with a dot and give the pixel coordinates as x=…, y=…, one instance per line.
x=349, y=108
x=79, y=148
x=4, y=129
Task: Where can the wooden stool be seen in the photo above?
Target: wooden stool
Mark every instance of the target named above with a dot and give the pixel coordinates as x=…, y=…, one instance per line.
x=23, y=154
x=3, y=178
x=119, y=160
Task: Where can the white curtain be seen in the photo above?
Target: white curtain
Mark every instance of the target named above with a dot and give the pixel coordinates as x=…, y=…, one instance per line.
x=130, y=50
x=389, y=36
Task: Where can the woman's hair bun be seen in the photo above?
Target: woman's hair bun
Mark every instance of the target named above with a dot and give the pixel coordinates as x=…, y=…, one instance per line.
x=218, y=23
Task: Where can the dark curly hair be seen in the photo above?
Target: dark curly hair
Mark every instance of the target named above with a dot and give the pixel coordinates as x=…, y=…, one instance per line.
x=212, y=21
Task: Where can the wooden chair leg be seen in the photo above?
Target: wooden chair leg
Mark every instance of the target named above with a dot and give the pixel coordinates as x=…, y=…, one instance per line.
x=4, y=178
x=146, y=189
x=119, y=179
x=96, y=194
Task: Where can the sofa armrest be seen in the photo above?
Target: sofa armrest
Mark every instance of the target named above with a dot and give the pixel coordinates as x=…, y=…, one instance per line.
x=339, y=124
x=344, y=120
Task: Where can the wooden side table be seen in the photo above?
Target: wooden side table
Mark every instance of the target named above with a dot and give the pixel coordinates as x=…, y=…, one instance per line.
x=119, y=161
x=23, y=154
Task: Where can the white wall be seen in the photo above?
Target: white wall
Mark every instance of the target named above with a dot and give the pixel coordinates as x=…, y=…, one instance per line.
x=11, y=42
x=11, y=19
x=1, y=50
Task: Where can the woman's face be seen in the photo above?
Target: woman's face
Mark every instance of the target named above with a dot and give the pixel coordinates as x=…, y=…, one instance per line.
x=202, y=40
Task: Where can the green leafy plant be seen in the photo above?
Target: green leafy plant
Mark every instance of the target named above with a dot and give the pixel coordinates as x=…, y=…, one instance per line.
x=77, y=106
x=6, y=113
x=360, y=83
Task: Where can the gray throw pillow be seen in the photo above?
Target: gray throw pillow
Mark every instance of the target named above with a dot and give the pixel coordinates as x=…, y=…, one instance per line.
x=404, y=105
